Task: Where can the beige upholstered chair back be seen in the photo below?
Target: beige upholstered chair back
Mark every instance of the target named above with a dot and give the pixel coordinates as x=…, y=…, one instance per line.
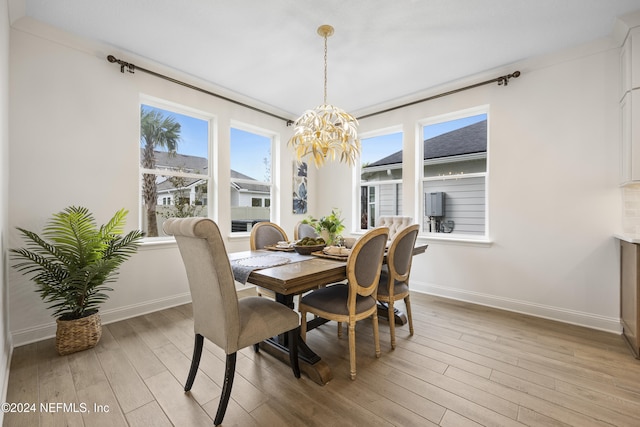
x=394, y=223
x=213, y=292
x=364, y=264
x=303, y=230
x=266, y=233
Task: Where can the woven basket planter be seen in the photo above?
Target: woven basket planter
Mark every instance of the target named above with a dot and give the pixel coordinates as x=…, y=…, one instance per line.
x=78, y=334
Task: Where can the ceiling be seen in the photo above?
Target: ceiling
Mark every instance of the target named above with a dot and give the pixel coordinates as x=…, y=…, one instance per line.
x=381, y=51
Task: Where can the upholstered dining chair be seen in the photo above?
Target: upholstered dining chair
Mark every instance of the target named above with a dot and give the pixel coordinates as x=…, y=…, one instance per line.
x=394, y=223
x=266, y=233
x=218, y=314
x=394, y=277
x=354, y=300
x=302, y=230
x=263, y=234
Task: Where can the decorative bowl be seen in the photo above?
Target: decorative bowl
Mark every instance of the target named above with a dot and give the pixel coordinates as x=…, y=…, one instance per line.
x=306, y=250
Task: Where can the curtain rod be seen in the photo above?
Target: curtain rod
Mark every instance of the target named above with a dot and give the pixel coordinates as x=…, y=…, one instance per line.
x=502, y=80
x=132, y=68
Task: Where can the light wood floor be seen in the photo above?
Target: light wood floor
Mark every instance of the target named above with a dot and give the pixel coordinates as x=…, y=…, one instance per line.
x=466, y=365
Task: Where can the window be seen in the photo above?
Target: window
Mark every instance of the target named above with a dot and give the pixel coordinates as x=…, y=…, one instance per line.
x=251, y=182
x=454, y=174
x=174, y=164
x=380, y=177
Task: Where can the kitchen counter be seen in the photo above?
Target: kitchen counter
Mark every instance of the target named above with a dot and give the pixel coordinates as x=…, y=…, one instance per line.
x=627, y=238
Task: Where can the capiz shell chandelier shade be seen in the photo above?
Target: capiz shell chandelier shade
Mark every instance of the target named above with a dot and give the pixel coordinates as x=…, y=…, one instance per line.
x=326, y=131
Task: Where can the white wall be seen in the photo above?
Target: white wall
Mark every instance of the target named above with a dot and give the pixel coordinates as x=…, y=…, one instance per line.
x=75, y=140
x=554, y=199
x=5, y=339
x=553, y=190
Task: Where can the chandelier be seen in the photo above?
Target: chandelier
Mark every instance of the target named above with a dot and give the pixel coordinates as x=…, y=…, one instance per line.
x=326, y=131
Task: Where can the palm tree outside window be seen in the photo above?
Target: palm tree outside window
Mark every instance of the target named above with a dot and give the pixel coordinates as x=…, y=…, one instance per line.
x=174, y=164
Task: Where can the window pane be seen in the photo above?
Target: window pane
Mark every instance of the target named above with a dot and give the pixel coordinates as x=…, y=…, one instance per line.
x=250, y=179
x=455, y=166
x=175, y=141
x=381, y=161
x=174, y=160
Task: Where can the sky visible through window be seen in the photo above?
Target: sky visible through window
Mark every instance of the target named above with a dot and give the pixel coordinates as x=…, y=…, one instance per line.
x=249, y=150
x=248, y=154
x=436, y=129
x=194, y=132
x=379, y=147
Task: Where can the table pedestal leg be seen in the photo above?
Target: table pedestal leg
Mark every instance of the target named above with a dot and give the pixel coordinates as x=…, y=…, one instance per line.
x=310, y=363
x=383, y=311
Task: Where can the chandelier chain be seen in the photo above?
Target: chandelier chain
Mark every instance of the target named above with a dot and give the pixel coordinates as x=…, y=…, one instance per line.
x=325, y=69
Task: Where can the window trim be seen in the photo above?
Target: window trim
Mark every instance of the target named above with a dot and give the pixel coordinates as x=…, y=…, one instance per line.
x=357, y=172
x=274, y=193
x=212, y=120
x=420, y=163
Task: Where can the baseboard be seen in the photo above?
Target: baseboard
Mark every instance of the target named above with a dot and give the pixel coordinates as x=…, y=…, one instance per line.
x=48, y=330
x=588, y=320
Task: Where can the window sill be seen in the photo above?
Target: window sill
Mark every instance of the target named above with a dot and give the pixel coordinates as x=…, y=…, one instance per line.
x=157, y=243
x=456, y=239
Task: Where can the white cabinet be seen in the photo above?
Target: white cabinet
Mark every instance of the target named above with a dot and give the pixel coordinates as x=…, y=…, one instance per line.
x=630, y=121
x=630, y=107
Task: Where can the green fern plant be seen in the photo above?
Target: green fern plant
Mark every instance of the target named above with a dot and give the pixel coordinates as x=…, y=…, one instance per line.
x=332, y=222
x=74, y=259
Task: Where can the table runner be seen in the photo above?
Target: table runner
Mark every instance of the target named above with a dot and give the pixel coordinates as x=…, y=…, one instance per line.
x=242, y=268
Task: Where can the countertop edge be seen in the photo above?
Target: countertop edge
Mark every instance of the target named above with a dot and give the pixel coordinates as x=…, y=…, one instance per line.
x=626, y=238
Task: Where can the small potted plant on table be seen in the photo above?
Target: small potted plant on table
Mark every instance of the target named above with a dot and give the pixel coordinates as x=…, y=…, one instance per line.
x=328, y=227
x=71, y=264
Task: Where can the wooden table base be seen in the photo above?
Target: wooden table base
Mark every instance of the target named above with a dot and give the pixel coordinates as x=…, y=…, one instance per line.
x=383, y=312
x=315, y=368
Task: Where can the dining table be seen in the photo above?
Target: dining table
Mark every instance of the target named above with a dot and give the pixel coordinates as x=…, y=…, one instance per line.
x=287, y=274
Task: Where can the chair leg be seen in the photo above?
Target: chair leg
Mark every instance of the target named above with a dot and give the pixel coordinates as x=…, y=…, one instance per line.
x=392, y=324
x=376, y=333
x=229, y=372
x=352, y=349
x=293, y=351
x=195, y=361
x=407, y=303
x=256, y=347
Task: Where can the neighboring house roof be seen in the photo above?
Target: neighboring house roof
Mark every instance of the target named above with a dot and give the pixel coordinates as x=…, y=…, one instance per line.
x=167, y=185
x=240, y=186
x=193, y=164
x=467, y=140
x=196, y=164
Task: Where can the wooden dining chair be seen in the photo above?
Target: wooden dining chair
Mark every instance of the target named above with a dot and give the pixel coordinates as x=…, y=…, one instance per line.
x=394, y=278
x=354, y=300
x=302, y=230
x=263, y=234
x=218, y=314
x=266, y=233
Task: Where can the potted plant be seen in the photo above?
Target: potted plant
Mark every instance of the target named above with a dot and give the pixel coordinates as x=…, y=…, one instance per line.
x=328, y=227
x=71, y=264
